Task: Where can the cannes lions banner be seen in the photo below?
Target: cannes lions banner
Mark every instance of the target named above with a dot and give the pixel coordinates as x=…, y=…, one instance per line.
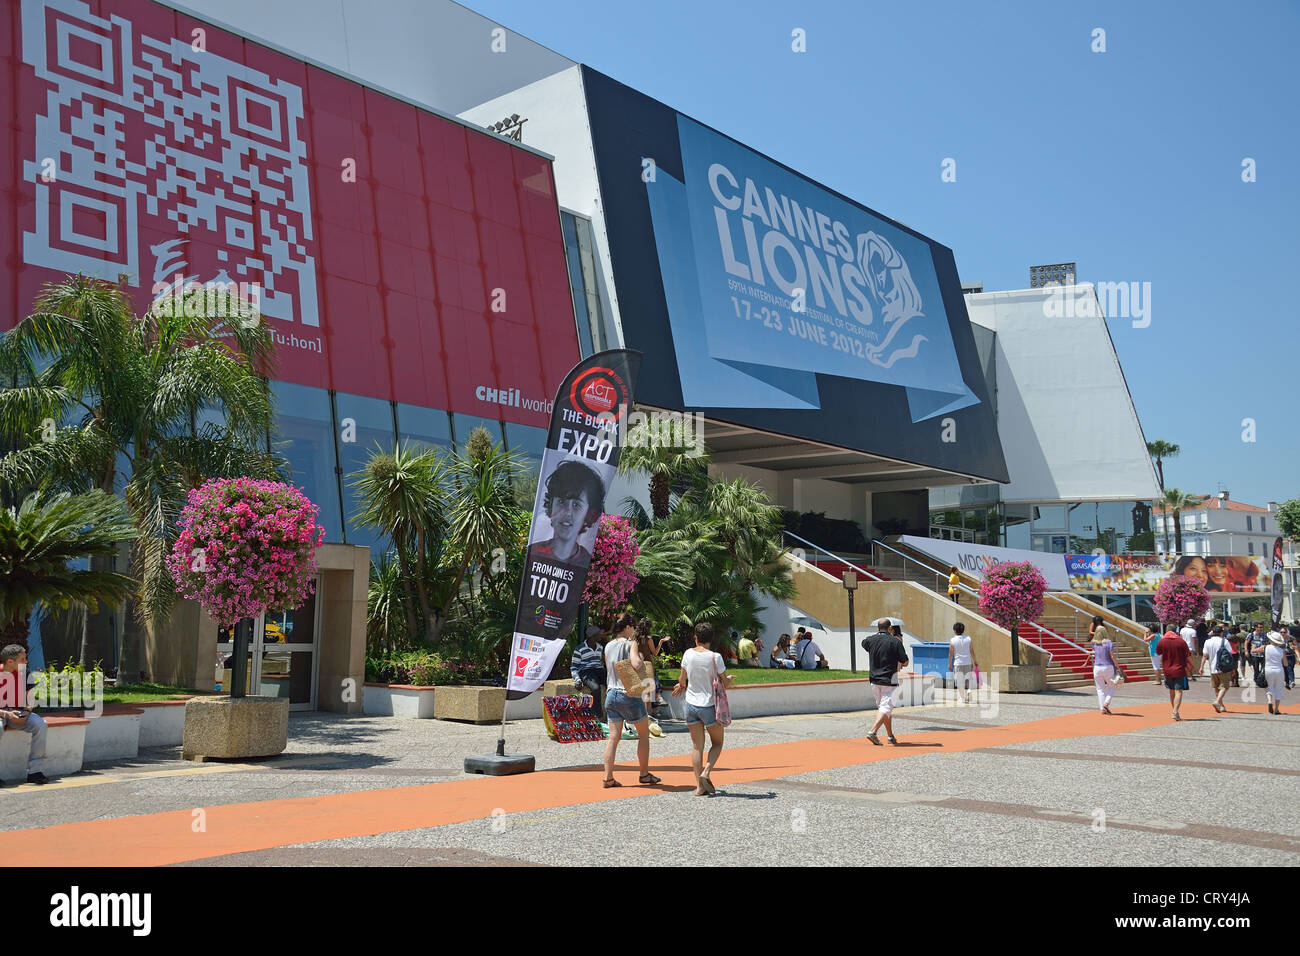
x=776, y=280
x=578, y=465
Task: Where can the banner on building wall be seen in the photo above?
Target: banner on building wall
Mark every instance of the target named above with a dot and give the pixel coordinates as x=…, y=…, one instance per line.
x=974, y=558
x=393, y=253
x=578, y=466
x=1275, y=581
x=1221, y=574
x=763, y=298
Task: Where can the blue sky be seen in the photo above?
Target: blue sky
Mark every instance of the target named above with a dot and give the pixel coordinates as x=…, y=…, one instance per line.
x=1128, y=162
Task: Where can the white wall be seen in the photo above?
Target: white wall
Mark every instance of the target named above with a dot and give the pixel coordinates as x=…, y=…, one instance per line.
x=1067, y=423
x=435, y=52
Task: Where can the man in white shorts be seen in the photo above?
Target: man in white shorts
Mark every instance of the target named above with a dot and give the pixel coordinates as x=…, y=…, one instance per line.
x=887, y=657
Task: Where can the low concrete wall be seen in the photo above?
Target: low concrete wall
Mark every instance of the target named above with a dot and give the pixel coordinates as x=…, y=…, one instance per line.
x=162, y=724
x=525, y=708
x=15, y=745
x=112, y=735
x=64, y=745
x=928, y=615
x=813, y=697
x=397, y=700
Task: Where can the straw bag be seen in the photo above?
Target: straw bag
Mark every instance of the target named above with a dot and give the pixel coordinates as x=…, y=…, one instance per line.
x=635, y=681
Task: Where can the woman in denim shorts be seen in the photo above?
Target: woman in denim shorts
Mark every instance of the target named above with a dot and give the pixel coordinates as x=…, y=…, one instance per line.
x=700, y=665
x=622, y=706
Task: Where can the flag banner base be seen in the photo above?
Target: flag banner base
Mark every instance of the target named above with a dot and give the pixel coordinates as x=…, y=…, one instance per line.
x=500, y=765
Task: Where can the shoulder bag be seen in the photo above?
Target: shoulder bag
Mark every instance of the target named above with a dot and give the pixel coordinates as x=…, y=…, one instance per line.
x=721, y=708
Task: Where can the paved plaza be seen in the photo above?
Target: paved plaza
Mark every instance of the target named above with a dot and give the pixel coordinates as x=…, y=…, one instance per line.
x=1043, y=780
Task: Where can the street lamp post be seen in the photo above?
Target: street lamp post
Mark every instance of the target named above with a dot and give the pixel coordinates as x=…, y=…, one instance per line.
x=851, y=585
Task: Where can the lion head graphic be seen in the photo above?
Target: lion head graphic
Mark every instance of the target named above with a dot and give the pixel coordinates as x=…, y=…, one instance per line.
x=894, y=297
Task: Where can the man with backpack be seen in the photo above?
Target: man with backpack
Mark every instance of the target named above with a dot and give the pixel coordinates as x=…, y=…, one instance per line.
x=1222, y=667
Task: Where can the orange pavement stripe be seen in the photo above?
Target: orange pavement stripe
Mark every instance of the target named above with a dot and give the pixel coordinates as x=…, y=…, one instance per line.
x=161, y=838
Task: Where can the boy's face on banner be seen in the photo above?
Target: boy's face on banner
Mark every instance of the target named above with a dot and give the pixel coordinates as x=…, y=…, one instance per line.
x=569, y=517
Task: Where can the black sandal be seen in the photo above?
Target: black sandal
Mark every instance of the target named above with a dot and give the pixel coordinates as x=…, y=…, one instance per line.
x=652, y=779
x=611, y=782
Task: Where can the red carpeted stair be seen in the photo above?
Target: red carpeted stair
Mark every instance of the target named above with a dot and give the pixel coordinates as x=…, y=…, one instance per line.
x=1067, y=655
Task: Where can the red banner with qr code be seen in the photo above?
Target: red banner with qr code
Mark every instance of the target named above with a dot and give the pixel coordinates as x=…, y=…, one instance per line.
x=394, y=253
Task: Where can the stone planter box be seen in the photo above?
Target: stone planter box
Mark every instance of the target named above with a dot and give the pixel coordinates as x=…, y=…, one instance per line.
x=113, y=734
x=397, y=700
x=476, y=705
x=226, y=727
x=1024, y=679
x=14, y=748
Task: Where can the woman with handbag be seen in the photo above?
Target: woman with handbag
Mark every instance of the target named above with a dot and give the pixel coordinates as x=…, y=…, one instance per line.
x=1103, y=664
x=1274, y=669
x=704, y=680
x=624, y=703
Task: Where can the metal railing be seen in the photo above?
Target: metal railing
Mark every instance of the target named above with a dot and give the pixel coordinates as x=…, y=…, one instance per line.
x=869, y=575
x=941, y=578
x=1074, y=609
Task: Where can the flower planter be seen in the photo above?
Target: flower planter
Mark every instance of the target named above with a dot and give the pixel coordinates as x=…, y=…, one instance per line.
x=475, y=705
x=397, y=700
x=225, y=727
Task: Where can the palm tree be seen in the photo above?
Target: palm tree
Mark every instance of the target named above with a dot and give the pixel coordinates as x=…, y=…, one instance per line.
x=665, y=464
x=131, y=388
x=40, y=539
x=1175, y=501
x=1160, y=450
x=402, y=495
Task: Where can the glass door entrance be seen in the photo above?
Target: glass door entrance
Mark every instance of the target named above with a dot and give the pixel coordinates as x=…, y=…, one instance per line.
x=283, y=656
x=286, y=654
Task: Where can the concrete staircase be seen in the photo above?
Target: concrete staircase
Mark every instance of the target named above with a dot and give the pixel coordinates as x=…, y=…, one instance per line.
x=1065, y=618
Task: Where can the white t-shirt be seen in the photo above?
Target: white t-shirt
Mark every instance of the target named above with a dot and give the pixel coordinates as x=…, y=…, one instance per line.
x=806, y=654
x=700, y=668
x=1188, y=634
x=960, y=650
x=619, y=649
x=1212, y=652
x=1274, y=657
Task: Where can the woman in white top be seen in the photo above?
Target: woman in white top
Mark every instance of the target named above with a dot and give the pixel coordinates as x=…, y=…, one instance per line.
x=961, y=661
x=622, y=706
x=1274, y=670
x=700, y=665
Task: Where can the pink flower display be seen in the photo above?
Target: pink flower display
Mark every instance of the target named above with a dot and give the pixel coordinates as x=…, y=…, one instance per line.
x=1179, y=598
x=610, y=578
x=1012, y=592
x=246, y=546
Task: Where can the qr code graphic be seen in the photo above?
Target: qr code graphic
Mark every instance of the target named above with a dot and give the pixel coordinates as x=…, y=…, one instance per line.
x=175, y=159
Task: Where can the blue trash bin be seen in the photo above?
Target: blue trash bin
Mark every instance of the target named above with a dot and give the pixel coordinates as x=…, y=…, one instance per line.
x=930, y=657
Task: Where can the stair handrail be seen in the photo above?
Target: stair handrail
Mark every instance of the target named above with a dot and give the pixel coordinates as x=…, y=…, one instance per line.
x=869, y=575
x=971, y=591
x=1075, y=609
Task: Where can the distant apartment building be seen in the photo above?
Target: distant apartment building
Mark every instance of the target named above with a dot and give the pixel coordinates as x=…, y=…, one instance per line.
x=1218, y=526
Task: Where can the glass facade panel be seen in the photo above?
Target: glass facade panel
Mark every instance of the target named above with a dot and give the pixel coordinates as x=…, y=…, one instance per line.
x=579, y=252
x=306, y=439
x=368, y=422
x=1016, y=525
x=1144, y=612
x=1120, y=604
x=426, y=426
x=528, y=443
x=463, y=426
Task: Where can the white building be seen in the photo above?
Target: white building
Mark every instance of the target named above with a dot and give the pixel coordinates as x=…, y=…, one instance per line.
x=1081, y=478
x=1219, y=526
